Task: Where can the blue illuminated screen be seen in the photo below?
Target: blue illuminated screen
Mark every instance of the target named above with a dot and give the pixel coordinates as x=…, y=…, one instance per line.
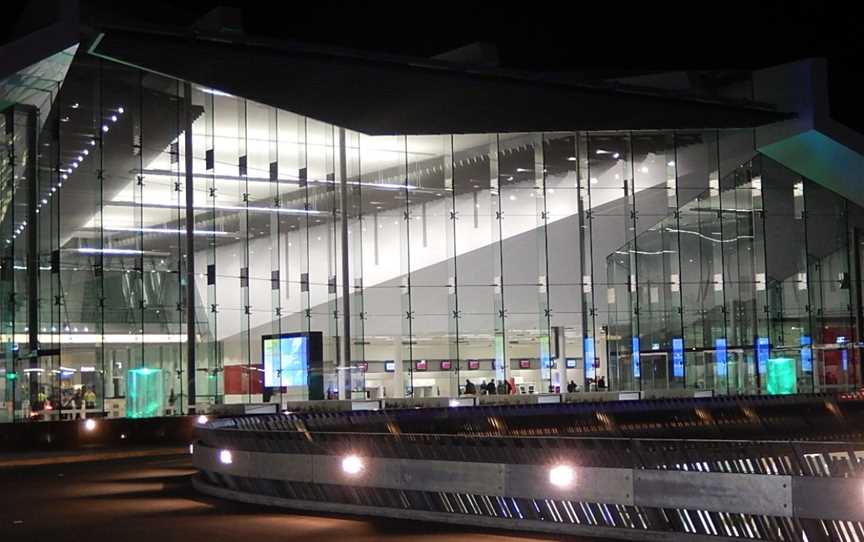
x=286, y=361
x=678, y=357
x=588, y=349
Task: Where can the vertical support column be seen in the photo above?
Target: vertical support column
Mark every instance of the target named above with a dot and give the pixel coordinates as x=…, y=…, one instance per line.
x=399, y=370
x=585, y=267
x=32, y=249
x=32, y=238
x=7, y=277
x=857, y=278
x=190, y=248
x=560, y=349
x=343, y=372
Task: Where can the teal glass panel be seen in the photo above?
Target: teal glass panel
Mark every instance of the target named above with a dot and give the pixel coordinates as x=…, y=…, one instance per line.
x=781, y=376
x=145, y=393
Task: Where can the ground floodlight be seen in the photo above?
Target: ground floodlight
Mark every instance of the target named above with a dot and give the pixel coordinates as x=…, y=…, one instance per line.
x=226, y=457
x=562, y=476
x=352, y=465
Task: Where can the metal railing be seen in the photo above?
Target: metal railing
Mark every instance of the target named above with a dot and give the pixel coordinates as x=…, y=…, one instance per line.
x=632, y=488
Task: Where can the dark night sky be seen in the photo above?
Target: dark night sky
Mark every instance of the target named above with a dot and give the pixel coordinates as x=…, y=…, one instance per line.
x=596, y=37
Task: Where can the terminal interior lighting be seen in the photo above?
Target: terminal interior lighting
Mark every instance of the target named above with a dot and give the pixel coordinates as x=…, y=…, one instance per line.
x=562, y=476
x=352, y=465
x=225, y=457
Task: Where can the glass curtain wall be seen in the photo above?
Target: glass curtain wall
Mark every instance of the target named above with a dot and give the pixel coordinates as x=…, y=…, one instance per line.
x=518, y=262
x=763, y=308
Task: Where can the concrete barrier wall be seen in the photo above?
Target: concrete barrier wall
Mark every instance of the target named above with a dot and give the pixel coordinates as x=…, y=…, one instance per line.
x=443, y=402
x=770, y=495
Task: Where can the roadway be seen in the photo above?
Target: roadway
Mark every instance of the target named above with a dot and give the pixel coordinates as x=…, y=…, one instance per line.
x=150, y=499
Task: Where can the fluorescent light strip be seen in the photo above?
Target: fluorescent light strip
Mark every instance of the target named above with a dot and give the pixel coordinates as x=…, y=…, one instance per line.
x=215, y=92
x=279, y=210
x=260, y=209
x=282, y=179
x=98, y=338
x=118, y=251
x=165, y=230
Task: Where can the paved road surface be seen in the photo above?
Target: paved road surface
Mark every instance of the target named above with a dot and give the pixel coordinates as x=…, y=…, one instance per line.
x=151, y=500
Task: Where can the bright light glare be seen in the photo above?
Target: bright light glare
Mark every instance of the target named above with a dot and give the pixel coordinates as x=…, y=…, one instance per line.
x=561, y=476
x=225, y=457
x=90, y=424
x=454, y=403
x=352, y=465
x=202, y=419
x=191, y=449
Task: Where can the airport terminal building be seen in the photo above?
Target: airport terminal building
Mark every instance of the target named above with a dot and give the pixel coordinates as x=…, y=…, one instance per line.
x=178, y=231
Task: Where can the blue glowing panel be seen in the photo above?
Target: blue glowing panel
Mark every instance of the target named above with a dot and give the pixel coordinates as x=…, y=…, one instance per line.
x=721, y=356
x=678, y=357
x=806, y=354
x=763, y=351
x=589, y=357
x=286, y=361
x=637, y=365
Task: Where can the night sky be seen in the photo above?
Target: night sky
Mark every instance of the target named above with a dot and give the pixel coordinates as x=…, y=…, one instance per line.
x=594, y=39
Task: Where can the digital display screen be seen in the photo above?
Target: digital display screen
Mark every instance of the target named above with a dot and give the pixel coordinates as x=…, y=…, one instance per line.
x=571, y=363
x=524, y=363
x=806, y=354
x=421, y=365
x=390, y=366
x=763, y=351
x=286, y=360
x=721, y=356
x=473, y=364
x=445, y=365
x=637, y=365
x=588, y=348
x=678, y=357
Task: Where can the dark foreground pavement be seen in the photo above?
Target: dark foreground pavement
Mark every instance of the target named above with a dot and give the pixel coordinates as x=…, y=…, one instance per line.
x=151, y=500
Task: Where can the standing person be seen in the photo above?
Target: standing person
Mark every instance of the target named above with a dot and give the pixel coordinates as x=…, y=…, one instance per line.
x=490, y=388
x=601, y=383
x=470, y=388
x=90, y=398
x=571, y=387
x=77, y=402
x=483, y=388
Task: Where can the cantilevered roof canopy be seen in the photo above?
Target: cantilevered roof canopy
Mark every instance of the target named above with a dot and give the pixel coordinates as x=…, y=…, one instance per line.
x=379, y=95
